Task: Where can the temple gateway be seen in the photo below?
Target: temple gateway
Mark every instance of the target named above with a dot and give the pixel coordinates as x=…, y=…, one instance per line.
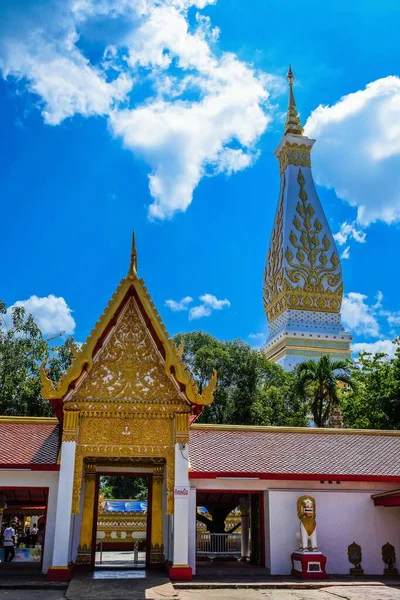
x=280, y=500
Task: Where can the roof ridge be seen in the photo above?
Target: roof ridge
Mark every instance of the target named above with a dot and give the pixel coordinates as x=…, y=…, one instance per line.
x=283, y=429
x=25, y=419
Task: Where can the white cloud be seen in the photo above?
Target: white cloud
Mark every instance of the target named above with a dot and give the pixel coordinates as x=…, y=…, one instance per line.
x=209, y=303
x=358, y=316
x=213, y=302
x=180, y=305
x=349, y=231
x=51, y=313
x=385, y=346
x=204, y=109
x=346, y=253
x=197, y=312
x=358, y=149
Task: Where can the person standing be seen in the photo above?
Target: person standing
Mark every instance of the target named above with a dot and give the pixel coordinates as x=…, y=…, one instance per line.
x=9, y=543
x=34, y=536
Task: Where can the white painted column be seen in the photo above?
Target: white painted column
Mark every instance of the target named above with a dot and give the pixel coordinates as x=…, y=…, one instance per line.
x=192, y=529
x=245, y=527
x=63, y=527
x=180, y=568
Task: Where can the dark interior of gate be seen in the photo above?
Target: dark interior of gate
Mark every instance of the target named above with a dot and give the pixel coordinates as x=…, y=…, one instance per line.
x=229, y=530
x=24, y=511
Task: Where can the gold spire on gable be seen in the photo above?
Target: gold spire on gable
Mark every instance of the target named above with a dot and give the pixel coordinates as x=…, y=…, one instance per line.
x=293, y=124
x=133, y=264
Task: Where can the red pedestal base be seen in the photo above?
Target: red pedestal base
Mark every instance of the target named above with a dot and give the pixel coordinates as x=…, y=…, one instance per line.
x=59, y=574
x=309, y=565
x=180, y=573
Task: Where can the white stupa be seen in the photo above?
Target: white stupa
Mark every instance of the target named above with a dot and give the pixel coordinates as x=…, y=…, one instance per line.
x=303, y=285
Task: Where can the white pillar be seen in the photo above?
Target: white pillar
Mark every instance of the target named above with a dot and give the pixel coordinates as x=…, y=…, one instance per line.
x=245, y=527
x=180, y=568
x=192, y=529
x=63, y=527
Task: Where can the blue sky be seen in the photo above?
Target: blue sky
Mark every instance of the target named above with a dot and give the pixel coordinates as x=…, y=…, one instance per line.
x=96, y=97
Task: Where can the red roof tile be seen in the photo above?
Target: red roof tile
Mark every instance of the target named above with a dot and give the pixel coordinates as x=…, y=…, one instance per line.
x=29, y=443
x=290, y=452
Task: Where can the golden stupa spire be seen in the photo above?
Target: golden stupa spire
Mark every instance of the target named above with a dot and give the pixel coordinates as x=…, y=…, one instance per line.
x=133, y=264
x=293, y=124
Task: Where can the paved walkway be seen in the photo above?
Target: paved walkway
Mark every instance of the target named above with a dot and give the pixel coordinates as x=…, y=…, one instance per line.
x=329, y=593
x=117, y=585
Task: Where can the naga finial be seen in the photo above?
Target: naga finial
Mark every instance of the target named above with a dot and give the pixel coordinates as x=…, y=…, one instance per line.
x=180, y=349
x=208, y=392
x=74, y=348
x=293, y=124
x=133, y=264
x=47, y=387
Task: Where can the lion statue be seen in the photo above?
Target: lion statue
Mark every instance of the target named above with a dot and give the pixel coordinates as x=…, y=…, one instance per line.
x=308, y=524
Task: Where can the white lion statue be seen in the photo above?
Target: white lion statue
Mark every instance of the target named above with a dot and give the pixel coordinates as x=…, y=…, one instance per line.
x=308, y=525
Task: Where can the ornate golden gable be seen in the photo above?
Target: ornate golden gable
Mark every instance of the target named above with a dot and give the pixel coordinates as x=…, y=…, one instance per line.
x=129, y=365
x=147, y=345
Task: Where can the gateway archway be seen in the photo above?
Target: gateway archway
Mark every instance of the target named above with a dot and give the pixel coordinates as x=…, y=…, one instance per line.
x=125, y=400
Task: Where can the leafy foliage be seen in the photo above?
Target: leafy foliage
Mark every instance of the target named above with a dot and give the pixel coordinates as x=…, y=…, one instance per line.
x=319, y=382
x=122, y=487
x=250, y=389
x=22, y=350
x=375, y=401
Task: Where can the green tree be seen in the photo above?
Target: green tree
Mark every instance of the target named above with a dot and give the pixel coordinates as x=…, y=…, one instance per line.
x=22, y=350
x=250, y=389
x=319, y=382
x=122, y=487
x=373, y=403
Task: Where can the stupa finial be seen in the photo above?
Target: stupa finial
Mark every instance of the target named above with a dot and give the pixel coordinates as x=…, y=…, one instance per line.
x=133, y=264
x=293, y=124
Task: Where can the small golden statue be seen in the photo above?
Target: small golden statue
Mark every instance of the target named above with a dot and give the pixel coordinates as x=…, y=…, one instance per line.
x=308, y=524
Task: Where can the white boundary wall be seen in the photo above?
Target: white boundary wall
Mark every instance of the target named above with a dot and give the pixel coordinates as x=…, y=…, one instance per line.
x=343, y=517
x=345, y=513
x=48, y=479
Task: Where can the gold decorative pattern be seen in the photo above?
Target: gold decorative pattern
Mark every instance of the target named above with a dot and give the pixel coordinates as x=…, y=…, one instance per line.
x=70, y=426
x=293, y=124
x=123, y=450
x=182, y=428
x=273, y=275
x=85, y=358
x=298, y=155
x=312, y=279
x=129, y=365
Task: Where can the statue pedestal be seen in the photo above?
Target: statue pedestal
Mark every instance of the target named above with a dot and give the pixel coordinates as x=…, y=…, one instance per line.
x=308, y=565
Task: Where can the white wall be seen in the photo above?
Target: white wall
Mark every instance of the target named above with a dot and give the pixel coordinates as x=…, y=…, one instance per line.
x=48, y=479
x=342, y=517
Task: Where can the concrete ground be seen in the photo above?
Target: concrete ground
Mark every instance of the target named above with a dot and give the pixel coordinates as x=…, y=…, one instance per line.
x=328, y=593
x=142, y=590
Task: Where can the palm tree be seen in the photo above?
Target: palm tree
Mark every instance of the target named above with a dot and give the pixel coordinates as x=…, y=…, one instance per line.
x=319, y=381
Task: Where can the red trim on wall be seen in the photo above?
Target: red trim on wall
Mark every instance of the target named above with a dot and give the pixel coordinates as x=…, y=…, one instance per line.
x=387, y=501
x=293, y=476
x=30, y=467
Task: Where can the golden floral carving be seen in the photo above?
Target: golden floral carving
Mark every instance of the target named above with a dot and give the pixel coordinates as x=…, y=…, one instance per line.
x=311, y=279
x=273, y=275
x=298, y=155
x=129, y=365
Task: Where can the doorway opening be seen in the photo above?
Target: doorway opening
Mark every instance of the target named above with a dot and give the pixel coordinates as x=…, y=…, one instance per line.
x=123, y=521
x=22, y=527
x=230, y=530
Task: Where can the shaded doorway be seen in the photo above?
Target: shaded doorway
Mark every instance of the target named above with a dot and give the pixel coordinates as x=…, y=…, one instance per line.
x=123, y=521
x=229, y=530
x=23, y=510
